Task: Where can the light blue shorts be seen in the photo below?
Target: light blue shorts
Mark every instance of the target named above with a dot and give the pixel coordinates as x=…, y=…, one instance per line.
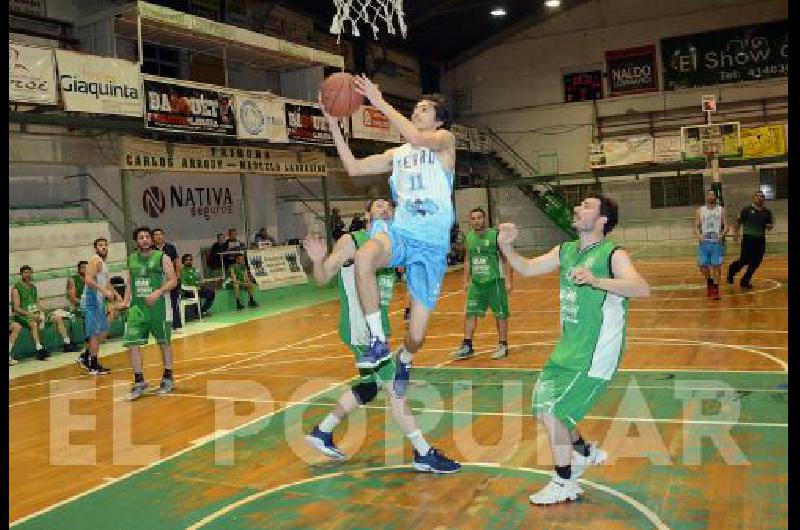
x=95, y=320
x=424, y=264
x=710, y=254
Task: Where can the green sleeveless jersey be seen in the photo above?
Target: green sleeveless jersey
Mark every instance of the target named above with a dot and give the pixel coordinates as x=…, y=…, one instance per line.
x=352, y=323
x=79, y=283
x=483, y=255
x=147, y=275
x=593, y=321
x=28, y=296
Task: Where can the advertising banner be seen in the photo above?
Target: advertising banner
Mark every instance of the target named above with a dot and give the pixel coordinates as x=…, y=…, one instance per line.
x=370, y=123
x=260, y=117
x=180, y=106
x=306, y=124
x=747, y=53
x=758, y=142
x=31, y=75
x=632, y=71
x=152, y=155
x=276, y=267
x=667, y=149
x=99, y=85
x=610, y=153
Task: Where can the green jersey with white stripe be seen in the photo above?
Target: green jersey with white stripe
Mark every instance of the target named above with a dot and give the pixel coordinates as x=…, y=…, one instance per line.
x=352, y=323
x=593, y=321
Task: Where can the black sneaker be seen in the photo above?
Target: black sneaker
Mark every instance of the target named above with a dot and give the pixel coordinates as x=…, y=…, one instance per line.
x=99, y=369
x=71, y=347
x=239, y=306
x=729, y=277
x=252, y=303
x=434, y=462
x=747, y=286
x=84, y=362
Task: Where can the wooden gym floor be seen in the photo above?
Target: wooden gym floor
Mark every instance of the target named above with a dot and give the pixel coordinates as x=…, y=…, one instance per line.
x=695, y=424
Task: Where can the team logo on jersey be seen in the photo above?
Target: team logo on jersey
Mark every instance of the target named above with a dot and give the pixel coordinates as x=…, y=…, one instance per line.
x=421, y=207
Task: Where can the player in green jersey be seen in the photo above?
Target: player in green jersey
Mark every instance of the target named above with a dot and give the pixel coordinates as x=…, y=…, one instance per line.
x=151, y=276
x=241, y=279
x=487, y=281
x=596, y=279
x=354, y=332
x=28, y=314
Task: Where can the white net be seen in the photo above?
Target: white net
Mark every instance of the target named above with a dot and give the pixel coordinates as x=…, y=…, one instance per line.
x=369, y=12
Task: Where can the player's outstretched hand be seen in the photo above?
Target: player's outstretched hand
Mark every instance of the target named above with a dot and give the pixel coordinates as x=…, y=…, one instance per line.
x=315, y=247
x=368, y=89
x=507, y=233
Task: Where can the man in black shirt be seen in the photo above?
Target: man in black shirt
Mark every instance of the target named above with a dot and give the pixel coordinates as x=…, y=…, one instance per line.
x=214, y=259
x=232, y=244
x=755, y=219
x=175, y=294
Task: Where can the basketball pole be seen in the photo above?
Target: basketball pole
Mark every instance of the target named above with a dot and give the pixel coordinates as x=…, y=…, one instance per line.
x=713, y=163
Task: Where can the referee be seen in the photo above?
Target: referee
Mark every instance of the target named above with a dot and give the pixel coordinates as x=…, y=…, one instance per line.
x=755, y=219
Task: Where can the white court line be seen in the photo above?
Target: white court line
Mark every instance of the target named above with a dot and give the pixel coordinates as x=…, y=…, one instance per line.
x=485, y=413
x=191, y=447
x=667, y=369
x=638, y=506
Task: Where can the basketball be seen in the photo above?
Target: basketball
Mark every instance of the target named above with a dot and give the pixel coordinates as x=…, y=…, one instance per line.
x=339, y=96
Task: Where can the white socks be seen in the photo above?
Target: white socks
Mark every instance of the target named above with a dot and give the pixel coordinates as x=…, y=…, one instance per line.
x=38, y=346
x=376, y=326
x=404, y=355
x=66, y=340
x=419, y=443
x=329, y=423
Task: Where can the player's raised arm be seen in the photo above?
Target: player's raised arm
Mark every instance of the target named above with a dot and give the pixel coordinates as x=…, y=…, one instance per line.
x=326, y=268
x=507, y=233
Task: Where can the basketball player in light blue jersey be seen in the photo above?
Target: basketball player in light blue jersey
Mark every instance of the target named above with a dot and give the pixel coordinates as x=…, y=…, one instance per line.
x=419, y=237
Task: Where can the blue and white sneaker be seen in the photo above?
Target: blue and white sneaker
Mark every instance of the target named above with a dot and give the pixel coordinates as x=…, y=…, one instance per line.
x=402, y=375
x=323, y=442
x=434, y=462
x=377, y=353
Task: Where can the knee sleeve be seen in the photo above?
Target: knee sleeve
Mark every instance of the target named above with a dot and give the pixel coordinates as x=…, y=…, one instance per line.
x=365, y=392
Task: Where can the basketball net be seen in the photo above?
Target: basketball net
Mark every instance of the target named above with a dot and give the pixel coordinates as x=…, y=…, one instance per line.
x=368, y=12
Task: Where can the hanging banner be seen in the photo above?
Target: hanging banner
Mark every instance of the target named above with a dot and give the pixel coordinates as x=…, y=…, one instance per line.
x=632, y=71
x=610, y=153
x=99, y=85
x=31, y=75
x=758, y=142
x=731, y=55
x=370, y=123
x=180, y=106
x=274, y=267
x=583, y=86
x=152, y=155
x=27, y=7
x=260, y=117
x=306, y=124
x=191, y=205
x=667, y=149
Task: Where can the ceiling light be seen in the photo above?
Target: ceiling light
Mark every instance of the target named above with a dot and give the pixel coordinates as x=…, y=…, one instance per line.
x=552, y=3
x=498, y=12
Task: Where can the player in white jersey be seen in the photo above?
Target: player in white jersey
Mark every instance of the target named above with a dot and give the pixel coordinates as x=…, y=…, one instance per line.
x=419, y=237
x=97, y=287
x=711, y=226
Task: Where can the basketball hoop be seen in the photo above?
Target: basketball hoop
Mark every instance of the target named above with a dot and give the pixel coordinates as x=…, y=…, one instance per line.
x=367, y=12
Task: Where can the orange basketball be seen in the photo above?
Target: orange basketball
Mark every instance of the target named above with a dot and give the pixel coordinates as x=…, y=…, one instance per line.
x=339, y=96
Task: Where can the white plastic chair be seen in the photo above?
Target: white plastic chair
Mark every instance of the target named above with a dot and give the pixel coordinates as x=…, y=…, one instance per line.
x=193, y=300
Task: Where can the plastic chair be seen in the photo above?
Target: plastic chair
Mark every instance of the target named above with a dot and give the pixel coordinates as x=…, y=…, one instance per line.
x=187, y=301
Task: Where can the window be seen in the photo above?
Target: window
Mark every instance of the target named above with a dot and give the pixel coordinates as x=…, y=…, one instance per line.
x=775, y=182
x=161, y=61
x=575, y=193
x=680, y=190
